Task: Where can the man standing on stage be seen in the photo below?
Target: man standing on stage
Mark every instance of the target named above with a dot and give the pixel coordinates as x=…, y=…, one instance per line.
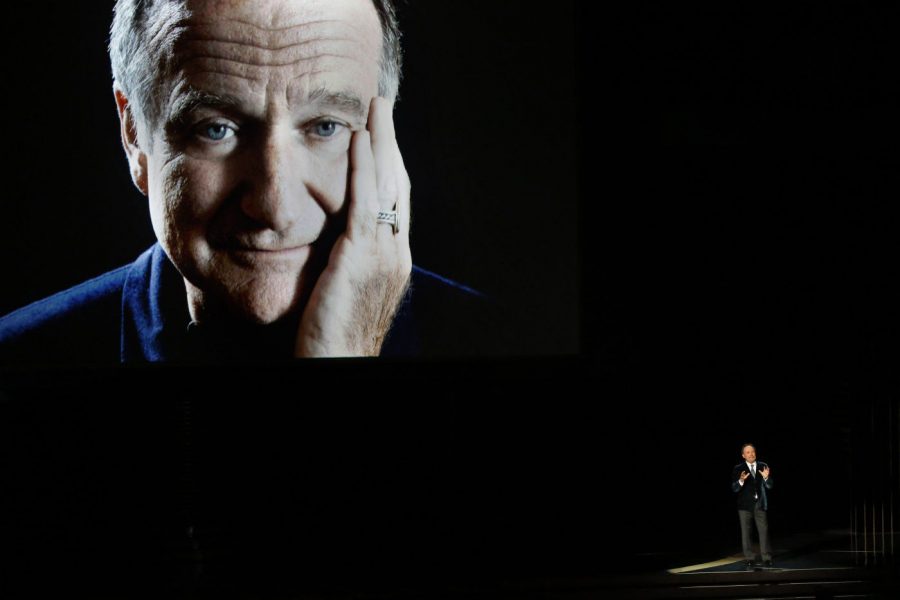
x=751, y=482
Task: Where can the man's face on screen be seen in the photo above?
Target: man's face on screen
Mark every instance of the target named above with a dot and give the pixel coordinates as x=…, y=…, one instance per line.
x=248, y=173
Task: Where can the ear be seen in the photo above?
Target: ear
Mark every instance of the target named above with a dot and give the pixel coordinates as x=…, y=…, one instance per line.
x=137, y=158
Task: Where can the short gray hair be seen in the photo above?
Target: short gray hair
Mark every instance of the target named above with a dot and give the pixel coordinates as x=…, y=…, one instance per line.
x=142, y=40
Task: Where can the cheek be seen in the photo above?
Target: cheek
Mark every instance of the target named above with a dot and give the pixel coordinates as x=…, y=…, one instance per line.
x=186, y=196
x=332, y=179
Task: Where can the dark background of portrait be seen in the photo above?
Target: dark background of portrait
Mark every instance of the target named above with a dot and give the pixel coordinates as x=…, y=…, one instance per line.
x=737, y=250
x=491, y=158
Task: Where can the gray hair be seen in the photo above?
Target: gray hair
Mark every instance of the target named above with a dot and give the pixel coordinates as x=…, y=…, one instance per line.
x=143, y=36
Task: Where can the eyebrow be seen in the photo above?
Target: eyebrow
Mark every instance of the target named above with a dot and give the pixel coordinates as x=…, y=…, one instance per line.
x=192, y=99
x=345, y=100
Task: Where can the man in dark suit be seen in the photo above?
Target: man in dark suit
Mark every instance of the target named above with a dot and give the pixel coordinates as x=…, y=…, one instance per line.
x=751, y=482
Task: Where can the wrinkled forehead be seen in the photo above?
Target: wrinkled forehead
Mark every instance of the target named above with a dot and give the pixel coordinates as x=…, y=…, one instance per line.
x=275, y=23
x=294, y=45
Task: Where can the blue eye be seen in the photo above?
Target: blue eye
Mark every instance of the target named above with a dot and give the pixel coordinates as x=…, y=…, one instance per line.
x=216, y=131
x=326, y=128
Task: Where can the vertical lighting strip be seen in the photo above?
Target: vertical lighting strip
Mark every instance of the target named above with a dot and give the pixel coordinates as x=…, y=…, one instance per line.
x=869, y=485
x=853, y=494
x=894, y=479
x=865, y=537
x=854, y=491
x=876, y=483
x=885, y=480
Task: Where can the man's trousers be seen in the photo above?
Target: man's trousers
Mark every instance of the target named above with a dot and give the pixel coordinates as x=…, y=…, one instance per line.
x=762, y=526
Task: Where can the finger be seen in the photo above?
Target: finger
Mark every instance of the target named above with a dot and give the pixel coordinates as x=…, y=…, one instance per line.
x=381, y=128
x=384, y=144
x=405, y=211
x=403, y=200
x=363, y=208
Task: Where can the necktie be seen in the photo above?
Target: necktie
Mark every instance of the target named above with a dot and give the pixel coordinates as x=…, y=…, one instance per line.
x=753, y=472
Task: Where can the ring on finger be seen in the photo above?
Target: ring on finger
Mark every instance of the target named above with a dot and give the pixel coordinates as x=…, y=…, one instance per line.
x=391, y=217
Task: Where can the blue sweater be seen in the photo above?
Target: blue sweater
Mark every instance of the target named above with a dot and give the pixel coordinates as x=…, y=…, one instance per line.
x=138, y=313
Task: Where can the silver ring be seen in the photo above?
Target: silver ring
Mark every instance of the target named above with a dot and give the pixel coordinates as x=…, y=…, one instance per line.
x=390, y=217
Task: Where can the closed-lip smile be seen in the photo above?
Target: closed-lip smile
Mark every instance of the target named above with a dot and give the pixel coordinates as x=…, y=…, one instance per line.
x=268, y=250
x=250, y=255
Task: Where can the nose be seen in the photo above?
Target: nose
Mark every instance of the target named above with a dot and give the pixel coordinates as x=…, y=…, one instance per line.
x=277, y=195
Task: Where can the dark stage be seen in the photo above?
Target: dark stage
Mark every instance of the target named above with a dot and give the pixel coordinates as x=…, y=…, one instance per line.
x=503, y=480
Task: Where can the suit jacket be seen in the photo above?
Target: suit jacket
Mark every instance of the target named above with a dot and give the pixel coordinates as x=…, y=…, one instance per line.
x=754, y=490
x=138, y=313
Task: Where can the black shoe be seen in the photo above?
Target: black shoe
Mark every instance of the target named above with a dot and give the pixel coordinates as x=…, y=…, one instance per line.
x=769, y=563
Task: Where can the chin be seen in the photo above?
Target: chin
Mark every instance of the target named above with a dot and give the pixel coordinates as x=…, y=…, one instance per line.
x=265, y=304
